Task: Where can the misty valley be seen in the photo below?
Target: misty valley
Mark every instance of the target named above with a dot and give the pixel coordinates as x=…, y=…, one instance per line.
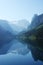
x=22, y=44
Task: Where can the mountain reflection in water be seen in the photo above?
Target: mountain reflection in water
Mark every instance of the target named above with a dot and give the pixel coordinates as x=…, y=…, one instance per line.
x=22, y=44
x=22, y=54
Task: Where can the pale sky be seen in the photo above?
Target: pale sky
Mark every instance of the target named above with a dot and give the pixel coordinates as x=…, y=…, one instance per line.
x=13, y=10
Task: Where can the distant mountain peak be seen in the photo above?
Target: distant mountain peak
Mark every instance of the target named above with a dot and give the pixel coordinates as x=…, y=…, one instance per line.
x=36, y=20
x=20, y=25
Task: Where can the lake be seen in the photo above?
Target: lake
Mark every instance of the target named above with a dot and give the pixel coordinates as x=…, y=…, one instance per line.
x=20, y=54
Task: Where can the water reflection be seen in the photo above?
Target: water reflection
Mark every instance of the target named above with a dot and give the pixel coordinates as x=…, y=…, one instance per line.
x=37, y=53
x=36, y=49
x=22, y=54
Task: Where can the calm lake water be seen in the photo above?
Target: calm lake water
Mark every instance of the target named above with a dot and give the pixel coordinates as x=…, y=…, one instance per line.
x=19, y=54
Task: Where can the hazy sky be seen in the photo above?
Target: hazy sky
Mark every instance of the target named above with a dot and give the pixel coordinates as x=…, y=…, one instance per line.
x=20, y=9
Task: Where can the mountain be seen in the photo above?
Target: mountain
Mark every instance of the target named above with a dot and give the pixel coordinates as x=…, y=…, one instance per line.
x=5, y=25
x=6, y=36
x=20, y=25
x=34, y=40
x=23, y=23
x=36, y=20
x=33, y=36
